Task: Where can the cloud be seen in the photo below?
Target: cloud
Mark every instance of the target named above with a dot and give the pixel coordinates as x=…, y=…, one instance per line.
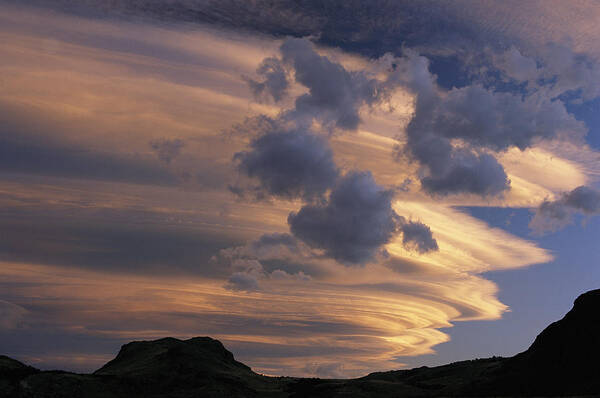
x=102, y=91
x=553, y=215
x=288, y=163
x=417, y=235
x=516, y=66
x=242, y=281
x=286, y=156
x=498, y=120
x=275, y=239
x=274, y=83
x=453, y=133
x=281, y=256
x=566, y=71
x=466, y=243
x=335, y=95
x=372, y=28
x=246, y=262
x=584, y=199
x=30, y=143
x=167, y=149
x=91, y=224
x=247, y=277
x=553, y=69
x=282, y=275
x=458, y=170
x=11, y=315
x=380, y=26
x=355, y=222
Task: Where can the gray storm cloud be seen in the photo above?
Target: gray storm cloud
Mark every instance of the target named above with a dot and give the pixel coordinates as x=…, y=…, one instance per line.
x=356, y=221
x=457, y=170
x=243, y=281
x=481, y=121
x=274, y=82
x=497, y=120
x=335, y=95
x=418, y=236
x=288, y=163
x=553, y=215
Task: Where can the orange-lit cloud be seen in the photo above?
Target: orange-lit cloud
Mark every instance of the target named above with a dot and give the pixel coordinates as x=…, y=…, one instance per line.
x=91, y=93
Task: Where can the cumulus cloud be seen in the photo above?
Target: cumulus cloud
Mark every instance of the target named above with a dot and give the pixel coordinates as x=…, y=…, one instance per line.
x=567, y=71
x=553, y=215
x=584, y=199
x=453, y=133
x=242, y=281
x=268, y=247
x=498, y=120
x=245, y=276
x=453, y=170
x=553, y=70
x=335, y=95
x=418, y=236
x=355, y=222
x=274, y=240
x=288, y=163
x=286, y=156
x=260, y=261
x=515, y=65
x=167, y=149
x=274, y=81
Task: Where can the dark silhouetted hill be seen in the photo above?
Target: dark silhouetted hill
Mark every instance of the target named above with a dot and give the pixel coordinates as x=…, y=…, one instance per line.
x=11, y=374
x=562, y=361
x=170, y=356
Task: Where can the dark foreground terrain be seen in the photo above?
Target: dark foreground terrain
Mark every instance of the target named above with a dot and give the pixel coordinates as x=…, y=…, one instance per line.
x=564, y=360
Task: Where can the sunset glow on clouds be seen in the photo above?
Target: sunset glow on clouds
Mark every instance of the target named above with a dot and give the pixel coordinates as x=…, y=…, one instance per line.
x=144, y=192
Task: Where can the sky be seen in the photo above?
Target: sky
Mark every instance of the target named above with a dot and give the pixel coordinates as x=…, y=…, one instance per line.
x=329, y=188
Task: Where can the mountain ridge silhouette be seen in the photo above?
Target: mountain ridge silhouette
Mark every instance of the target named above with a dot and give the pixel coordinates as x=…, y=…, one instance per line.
x=561, y=361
